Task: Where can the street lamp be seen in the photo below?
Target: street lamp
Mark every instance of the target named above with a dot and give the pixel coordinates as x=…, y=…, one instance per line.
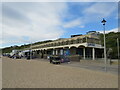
x=118, y=47
x=105, y=58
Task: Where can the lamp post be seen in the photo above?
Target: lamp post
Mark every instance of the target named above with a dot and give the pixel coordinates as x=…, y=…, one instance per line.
x=118, y=47
x=105, y=58
x=30, y=50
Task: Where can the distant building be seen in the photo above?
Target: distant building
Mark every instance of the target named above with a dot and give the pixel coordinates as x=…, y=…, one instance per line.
x=90, y=32
x=94, y=33
x=75, y=35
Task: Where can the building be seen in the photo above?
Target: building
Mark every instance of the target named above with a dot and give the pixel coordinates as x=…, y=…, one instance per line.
x=87, y=46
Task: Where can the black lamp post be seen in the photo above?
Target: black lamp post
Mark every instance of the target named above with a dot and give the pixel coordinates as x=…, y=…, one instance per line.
x=105, y=58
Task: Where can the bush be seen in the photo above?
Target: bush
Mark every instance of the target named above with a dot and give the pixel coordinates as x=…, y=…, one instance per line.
x=74, y=57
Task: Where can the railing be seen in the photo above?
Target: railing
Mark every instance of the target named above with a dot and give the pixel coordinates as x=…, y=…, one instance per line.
x=69, y=42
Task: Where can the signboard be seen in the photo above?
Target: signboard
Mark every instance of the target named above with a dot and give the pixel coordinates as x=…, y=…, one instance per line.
x=91, y=44
x=67, y=52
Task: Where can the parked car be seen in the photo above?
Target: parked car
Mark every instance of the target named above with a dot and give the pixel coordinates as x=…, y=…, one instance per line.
x=16, y=56
x=55, y=60
x=64, y=59
x=58, y=59
x=6, y=54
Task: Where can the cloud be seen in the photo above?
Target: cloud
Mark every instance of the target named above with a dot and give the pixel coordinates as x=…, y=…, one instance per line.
x=102, y=9
x=36, y=21
x=73, y=23
x=99, y=10
x=108, y=31
x=60, y=0
x=90, y=12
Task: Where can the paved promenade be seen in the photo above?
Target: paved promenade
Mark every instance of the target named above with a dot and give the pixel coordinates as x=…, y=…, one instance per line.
x=95, y=66
x=21, y=73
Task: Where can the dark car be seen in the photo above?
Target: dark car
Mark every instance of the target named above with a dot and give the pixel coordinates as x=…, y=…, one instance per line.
x=55, y=60
x=64, y=59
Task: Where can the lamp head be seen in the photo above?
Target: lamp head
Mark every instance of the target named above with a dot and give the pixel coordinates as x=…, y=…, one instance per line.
x=103, y=21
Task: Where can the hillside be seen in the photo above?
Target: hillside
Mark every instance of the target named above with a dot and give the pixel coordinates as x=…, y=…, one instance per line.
x=111, y=42
x=22, y=47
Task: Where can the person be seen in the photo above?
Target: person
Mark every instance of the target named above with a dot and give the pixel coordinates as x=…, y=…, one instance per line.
x=110, y=55
x=28, y=55
x=50, y=59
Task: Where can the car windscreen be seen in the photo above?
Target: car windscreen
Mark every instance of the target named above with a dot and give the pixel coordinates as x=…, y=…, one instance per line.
x=57, y=58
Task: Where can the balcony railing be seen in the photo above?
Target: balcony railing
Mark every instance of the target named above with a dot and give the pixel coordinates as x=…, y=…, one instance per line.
x=69, y=42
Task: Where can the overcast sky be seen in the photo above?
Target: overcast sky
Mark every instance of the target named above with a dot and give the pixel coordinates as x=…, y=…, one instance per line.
x=27, y=22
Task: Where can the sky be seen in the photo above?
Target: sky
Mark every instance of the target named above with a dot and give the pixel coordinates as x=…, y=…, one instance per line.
x=29, y=22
